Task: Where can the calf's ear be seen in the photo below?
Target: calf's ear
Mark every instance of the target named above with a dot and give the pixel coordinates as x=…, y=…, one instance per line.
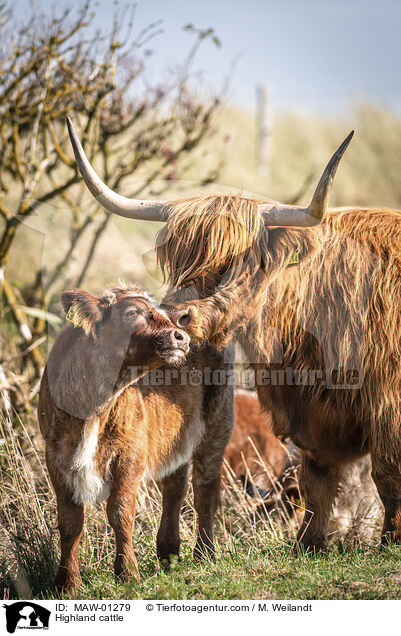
x=82, y=309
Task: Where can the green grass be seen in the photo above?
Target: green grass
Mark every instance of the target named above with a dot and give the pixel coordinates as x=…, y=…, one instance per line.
x=263, y=570
x=254, y=557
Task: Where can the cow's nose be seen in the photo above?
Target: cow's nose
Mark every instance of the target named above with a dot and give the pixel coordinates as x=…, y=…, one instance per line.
x=183, y=317
x=181, y=339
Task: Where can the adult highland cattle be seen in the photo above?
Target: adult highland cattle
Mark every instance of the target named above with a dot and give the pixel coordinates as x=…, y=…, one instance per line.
x=313, y=296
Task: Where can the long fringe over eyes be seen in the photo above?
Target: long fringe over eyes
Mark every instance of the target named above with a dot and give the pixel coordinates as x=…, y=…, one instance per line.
x=203, y=235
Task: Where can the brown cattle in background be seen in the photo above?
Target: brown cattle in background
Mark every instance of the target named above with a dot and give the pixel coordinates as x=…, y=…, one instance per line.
x=269, y=471
x=252, y=423
x=254, y=451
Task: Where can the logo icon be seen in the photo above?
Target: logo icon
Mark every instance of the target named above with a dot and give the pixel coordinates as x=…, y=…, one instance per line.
x=26, y=615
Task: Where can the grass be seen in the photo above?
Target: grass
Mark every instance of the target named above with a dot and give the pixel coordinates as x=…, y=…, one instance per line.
x=261, y=569
x=254, y=558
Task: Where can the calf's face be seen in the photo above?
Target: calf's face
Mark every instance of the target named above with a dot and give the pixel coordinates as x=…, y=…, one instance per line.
x=126, y=322
x=152, y=334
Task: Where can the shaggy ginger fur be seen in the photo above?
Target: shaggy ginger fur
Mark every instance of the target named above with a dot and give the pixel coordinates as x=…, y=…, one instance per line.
x=334, y=320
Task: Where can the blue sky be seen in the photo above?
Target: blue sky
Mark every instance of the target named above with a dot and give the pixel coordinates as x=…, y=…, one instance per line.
x=314, y=54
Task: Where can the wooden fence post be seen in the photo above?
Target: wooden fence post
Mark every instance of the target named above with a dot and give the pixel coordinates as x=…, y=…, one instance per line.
x=264, y=129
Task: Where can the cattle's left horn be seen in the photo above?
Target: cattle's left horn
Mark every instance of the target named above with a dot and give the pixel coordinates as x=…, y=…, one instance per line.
x=291, y=215
x=111, y=201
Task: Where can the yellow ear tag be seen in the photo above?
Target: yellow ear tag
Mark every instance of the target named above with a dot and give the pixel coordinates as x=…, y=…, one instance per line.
x=294, y=259
x=299, y=503
x=70, y=316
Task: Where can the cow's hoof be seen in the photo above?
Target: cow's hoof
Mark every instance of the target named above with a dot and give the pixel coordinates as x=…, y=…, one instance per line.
x=67, y=581
x=126, y=570
x=168, y=556
x=168, y=552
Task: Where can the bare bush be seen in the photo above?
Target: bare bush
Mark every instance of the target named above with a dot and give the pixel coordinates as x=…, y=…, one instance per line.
x=58, y=64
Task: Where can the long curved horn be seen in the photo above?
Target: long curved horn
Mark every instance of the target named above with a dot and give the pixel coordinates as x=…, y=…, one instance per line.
x=275, y=214
x=292, y=215
x=111, y=201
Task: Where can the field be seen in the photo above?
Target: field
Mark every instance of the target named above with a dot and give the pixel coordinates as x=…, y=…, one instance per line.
x=254, y=559
x=255, y=556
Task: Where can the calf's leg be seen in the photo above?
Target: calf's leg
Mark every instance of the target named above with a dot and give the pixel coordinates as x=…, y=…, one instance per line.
x=387, y=477
x=174, y=487
x=71, y=522
x=70, y=525
x=206, y=500
x=121, y=515
x=208, y=460
x=318, y=485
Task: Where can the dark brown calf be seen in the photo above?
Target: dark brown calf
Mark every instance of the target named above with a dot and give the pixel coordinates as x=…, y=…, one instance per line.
x=255, y=452
x=105, y=422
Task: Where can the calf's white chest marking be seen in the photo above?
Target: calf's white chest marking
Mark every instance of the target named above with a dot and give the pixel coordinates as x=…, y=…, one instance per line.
x=84, y=480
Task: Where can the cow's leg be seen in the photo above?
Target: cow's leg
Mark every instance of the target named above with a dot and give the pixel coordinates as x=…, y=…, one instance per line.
x=387, y=477
x=174, y=488
x=318, y=485
x=70, y=525
x=206, y=499
x=208, y=458
x=121, y=515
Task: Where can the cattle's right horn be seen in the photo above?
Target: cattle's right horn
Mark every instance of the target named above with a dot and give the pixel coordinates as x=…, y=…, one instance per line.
x=111, y=201
x=292, y=215
x=318, y=205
